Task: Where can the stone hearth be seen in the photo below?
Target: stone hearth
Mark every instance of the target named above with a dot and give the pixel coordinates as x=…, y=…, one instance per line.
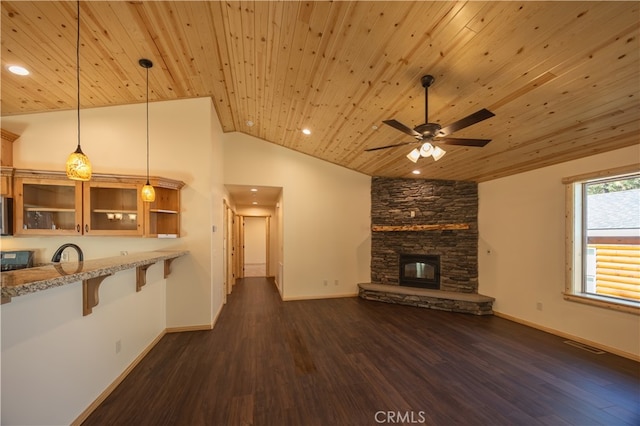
x=467, y=303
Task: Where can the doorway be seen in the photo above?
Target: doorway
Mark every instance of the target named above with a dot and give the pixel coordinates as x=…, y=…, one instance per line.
x=256, y=246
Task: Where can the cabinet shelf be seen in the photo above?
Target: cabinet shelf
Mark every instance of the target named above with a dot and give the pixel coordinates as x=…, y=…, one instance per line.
x=114, y=211
x=50, y=209
x=163, y=211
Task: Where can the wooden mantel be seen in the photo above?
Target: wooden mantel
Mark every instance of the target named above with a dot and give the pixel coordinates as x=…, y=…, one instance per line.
x=432, y=227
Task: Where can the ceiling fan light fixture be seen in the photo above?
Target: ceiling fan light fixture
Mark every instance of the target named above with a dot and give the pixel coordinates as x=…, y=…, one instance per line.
x=438, y=153
x=414, y=155
x=426, y=150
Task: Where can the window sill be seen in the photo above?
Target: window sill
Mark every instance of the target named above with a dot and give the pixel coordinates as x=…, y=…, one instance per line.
x=604, y=302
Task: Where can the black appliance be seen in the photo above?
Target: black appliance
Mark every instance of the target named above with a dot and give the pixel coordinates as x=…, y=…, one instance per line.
x=16, y=259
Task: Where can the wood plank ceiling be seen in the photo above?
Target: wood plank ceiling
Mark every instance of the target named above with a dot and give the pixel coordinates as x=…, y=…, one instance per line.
x=563, y=78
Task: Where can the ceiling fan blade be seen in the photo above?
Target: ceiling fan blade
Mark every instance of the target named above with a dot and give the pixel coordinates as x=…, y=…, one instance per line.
x=392, y=146
x=469, y=120
x=463, y=142
x=404, y=129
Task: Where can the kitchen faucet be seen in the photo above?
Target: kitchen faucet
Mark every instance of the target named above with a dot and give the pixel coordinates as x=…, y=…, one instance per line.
x=58, y=254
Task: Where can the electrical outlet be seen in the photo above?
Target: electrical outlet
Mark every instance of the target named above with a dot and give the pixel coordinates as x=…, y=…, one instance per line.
x=118, y=346
x=335, y=282
x=326, y=283
x=539, y=306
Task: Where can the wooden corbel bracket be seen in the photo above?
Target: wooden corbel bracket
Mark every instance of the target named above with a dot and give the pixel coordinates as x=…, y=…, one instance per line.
x=141, y=276
x=90, y=290
x=167, y=266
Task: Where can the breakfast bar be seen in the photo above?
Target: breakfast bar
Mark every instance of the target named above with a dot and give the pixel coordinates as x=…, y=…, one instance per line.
x=90, y=272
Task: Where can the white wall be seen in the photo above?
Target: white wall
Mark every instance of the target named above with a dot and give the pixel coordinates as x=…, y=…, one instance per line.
x=55, y=362
x=325, y=215
x=521, y=223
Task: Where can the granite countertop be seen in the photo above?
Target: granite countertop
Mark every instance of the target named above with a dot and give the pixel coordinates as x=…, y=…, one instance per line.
x=31, y=280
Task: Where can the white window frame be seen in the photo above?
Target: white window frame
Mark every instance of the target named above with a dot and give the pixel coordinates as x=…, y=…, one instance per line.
x=574, y=241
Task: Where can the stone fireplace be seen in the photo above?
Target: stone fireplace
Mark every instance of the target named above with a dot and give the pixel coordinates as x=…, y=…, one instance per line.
x=428, y=218
x=424, y=245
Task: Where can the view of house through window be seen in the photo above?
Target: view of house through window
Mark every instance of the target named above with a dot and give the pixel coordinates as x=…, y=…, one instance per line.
x=611, y=237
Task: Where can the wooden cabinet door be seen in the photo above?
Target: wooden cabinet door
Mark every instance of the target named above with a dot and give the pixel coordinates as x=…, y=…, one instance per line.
x=46, y=206
x=113, y=208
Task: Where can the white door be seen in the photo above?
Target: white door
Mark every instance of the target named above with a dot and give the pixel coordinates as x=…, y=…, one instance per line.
x=255, y=247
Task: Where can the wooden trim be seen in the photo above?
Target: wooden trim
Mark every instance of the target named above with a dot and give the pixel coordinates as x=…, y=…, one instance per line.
x=436, y=227
x=629, y=355
x=103, y=396
x=7, y=135
x=604, y=302
x=634, y=241
x=320, y=296
x=203, y=327
x=622, y=170
x=569, y=237
x=103, y=177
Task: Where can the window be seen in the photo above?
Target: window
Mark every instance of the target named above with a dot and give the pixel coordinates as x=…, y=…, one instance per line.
x=603, y=239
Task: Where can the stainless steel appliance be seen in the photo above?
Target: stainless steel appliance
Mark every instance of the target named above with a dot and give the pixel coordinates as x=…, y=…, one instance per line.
x=6, y=216
x=16, y=259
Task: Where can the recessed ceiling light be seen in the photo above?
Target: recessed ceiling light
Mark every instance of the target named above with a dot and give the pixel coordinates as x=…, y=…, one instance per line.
x=374, y=127
x=255, y=202
x=416, y=172
x=254, y=190
x=306, y=131
x=250, y=123
x=18, y=70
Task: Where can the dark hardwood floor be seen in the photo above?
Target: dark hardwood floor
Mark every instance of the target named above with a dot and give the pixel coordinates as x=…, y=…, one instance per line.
x=355, y=362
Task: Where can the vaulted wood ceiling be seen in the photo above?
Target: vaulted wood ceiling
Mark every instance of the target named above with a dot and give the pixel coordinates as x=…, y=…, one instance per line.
x=563, y=78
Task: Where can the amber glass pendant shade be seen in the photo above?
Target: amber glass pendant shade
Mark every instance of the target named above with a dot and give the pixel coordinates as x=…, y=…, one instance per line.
x=78, y=166
x=148, y=193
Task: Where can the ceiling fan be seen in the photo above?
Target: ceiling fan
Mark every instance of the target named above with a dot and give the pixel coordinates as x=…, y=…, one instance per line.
x=433, y=132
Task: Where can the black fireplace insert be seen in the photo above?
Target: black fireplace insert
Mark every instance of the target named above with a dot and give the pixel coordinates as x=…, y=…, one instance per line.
x=419, y=270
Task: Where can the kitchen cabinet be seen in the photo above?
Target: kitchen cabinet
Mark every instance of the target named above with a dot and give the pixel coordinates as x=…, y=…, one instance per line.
x=6, y=182
x=162, y=217
x=112, y=208
x=47, y=203
x=6, y=162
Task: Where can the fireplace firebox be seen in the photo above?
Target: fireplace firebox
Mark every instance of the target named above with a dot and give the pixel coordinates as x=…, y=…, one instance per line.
x=418, y=270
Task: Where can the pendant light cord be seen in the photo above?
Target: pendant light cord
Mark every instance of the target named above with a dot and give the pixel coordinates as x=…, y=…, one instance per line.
x=147, y=126
x=78, y=71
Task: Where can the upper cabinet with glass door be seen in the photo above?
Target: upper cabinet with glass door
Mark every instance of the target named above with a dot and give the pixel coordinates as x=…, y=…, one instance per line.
x=47, y=204
x=112, y=208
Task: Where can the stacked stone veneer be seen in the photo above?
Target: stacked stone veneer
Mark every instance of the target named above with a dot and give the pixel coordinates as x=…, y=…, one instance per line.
x=434, y=202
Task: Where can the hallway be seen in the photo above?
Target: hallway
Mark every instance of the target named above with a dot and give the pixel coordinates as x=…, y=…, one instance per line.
x=354, y=362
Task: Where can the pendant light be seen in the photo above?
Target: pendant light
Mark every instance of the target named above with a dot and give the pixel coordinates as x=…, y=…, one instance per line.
x=148, y=193
x=78, y=165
